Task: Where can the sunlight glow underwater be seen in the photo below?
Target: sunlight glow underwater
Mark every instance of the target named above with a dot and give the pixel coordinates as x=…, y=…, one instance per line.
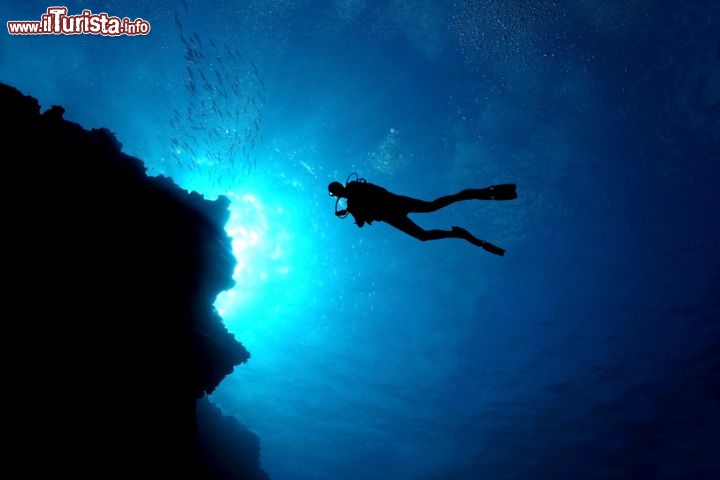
x=249, y=229
x=269, y=272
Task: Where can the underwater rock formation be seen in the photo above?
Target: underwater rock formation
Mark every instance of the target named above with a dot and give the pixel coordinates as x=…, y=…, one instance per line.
x=111, y=337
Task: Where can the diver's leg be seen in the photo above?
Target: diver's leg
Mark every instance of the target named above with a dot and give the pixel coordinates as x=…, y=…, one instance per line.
x=405, y=225
x=415, y=205
x=504, y=191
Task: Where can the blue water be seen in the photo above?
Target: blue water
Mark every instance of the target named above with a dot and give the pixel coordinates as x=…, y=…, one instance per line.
x=591, y=350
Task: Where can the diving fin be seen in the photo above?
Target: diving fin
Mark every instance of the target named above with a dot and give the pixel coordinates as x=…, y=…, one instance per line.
x=487, y=246
x=503, y=191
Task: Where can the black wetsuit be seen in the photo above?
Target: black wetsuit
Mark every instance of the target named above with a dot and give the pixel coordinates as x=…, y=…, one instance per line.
x=368, y=202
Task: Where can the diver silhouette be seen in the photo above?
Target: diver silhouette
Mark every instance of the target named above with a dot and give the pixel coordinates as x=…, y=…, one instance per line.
x=368, y=202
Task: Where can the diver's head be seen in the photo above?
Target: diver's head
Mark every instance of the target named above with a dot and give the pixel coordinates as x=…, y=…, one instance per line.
x=336, y=189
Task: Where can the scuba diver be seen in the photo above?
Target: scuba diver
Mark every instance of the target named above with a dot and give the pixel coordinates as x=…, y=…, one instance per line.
x=367, y=203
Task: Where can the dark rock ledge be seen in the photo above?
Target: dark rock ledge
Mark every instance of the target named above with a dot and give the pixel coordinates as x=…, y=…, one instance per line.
x=111, y=339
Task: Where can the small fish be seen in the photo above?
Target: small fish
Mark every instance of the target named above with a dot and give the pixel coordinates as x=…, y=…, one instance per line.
x=227, y=49
x=308, y=168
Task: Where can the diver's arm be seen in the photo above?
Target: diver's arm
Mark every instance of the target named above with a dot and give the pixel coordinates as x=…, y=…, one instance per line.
x=356, y=206
x=360, y=218
x=359, y=221
x=356, y=212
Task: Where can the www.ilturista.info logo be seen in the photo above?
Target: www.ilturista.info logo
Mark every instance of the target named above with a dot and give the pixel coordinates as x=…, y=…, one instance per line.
x=57, y=22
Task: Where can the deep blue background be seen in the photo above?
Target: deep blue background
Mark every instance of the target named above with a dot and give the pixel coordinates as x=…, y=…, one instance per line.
x=590, y=351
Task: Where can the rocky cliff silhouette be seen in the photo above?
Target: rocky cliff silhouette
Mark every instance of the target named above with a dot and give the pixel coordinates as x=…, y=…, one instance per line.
x=111, y=339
